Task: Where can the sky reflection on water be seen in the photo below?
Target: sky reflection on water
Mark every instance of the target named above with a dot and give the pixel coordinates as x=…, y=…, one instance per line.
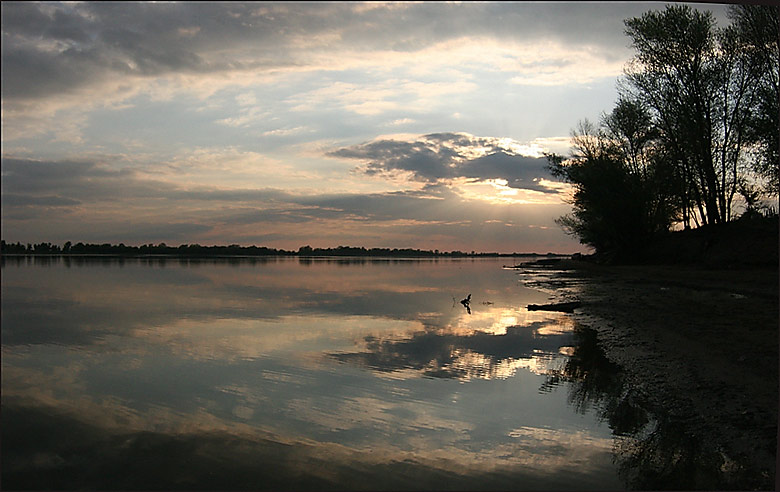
x=361, y=374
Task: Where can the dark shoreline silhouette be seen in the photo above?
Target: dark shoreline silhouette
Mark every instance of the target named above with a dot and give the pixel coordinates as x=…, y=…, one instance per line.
x=196, y=250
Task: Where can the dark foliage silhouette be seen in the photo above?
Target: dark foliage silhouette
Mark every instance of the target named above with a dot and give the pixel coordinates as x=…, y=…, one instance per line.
x=694, y=129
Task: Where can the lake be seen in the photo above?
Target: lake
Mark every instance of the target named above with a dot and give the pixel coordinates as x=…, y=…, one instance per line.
x=297, y=373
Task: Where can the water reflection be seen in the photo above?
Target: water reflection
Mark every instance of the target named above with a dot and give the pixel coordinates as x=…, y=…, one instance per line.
x=72, y=454
x=465, y=356
x=278, y=373
x=654, y=449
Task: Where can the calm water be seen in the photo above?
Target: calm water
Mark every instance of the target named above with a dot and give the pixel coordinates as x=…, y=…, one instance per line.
x=288, y=373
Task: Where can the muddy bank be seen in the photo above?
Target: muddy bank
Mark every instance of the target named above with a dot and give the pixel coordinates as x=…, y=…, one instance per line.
x=698, y=347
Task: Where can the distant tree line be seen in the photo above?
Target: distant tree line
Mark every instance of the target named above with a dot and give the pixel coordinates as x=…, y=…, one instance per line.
x=196, y=250
x=402, y=252
x=696, y=127
x=148, y=249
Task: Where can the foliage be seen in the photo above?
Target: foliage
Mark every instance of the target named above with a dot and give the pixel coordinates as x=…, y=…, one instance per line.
x=756, y=29
x=618, y=181
x=695, y=127
x=674, y=73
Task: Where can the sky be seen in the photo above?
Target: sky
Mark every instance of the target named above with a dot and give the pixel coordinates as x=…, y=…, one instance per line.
x=419, y=125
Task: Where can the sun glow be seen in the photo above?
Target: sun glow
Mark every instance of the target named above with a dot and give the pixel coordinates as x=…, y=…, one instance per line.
x=498, y=192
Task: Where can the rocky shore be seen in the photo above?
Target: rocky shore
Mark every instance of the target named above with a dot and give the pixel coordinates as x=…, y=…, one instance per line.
x=697, y=349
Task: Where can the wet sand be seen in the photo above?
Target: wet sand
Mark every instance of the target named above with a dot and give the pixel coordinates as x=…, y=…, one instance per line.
x=700, y=347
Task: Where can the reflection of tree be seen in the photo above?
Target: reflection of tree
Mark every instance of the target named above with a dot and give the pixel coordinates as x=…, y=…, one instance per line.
x=655, y=449
x=669, y=455
x=598, y=383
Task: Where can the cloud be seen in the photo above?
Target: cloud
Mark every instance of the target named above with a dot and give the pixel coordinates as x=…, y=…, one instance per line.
x=50, y=49
x=439, y=157
x=283, y=132
x=14, y=200
x=74, y=180
x=91, y=201
x=63, y=61
x=378, y=94
x=401, y=121
x=55, y=51
x=29, y=181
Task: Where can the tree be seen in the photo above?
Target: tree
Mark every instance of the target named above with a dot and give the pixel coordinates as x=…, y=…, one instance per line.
x=630, y=126
x=696, y=125
x=755, y=30
x=713, y=93
x=604, y=211
x=619, y=182
x=673, y=72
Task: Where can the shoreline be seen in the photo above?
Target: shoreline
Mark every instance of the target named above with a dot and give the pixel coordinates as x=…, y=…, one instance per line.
x=698, y=346
x=554, y=256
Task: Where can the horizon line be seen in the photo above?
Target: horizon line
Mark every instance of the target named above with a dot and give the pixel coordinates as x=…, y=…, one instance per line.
x=80, y=248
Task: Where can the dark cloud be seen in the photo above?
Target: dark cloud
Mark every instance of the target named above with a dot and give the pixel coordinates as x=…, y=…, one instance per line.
x=427, y=161
x=30, y=181
x=34, y=174
x=141, y=231
x=519, y=171
x=64, y=200
x=49, y=49
x=36, y=183
x=14, y=200
x=383, y=206
x=95, y=41
x=75, y=181
x=442, y=156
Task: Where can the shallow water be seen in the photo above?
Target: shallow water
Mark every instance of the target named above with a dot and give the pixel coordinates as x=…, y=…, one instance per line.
x=293, y=373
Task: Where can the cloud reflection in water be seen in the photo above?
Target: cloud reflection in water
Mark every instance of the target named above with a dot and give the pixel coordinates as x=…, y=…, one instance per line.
x=341, y=373
x=469, y=355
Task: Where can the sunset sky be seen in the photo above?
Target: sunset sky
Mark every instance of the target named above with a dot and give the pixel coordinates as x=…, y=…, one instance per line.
x=284, y=124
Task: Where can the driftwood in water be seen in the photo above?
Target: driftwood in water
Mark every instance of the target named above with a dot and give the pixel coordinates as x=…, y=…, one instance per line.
x=564, y=307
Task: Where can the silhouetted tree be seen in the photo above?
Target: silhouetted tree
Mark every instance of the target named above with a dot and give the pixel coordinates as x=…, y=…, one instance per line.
x=673, y=72
x=712, y=93
x=755, y=30
x=695, y=126
x=619, y=180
